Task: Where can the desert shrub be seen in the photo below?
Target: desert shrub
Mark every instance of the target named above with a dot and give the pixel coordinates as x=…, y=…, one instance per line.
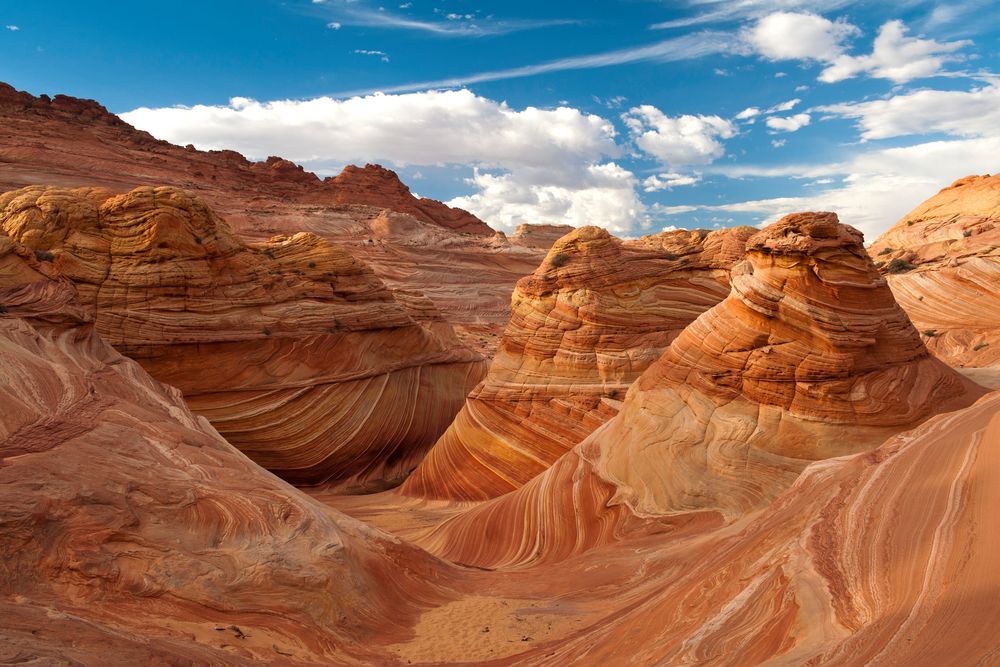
x=930, y=333
x=885, y=251
x=44, y=256
x=980, y=347
x=967, y=233
x=899, y=266
x=267, y=332
x=559, y=259
x=671, y=256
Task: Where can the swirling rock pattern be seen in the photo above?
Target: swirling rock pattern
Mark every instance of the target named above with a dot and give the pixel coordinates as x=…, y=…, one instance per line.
x=130, y=531
x=585, y=325
x=293, y=349
x=542, y=237
x=809, y=357
x=942, y=261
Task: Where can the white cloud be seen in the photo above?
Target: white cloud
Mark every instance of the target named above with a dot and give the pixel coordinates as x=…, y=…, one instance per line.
x=799, y=36
x=661, y=209
x=357, y=13
x=601, y=194
x=749, y=112
x=667, y=181
x=12, y=28
x=334, y=25
x=959, y=113
x=719, y=11
x=778, y=143
x=790, y=123
x=685, y=47
x=553, y=163
x=678, y=141
x=381, y=55
x=895, y=57
x=879, y=186
x=436, y=127
x=784, y=106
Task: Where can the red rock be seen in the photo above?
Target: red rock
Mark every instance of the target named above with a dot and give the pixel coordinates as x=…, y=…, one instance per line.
x=942, y=261
x=317, y=373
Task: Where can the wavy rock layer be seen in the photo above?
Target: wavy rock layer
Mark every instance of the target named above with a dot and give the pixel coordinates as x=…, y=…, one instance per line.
x=585, y=325
x=130, y=531
x=542, y=237
x=808, y=358
x=942, y=261
x=293, y=349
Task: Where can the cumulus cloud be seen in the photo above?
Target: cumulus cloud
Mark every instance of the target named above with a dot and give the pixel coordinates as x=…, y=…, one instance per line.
x=602, y=194
x=895, y=57
x=533, y=165
x=959, y=113
x=678, y=141
x=799, y=36
x=784, y=106
x=813, y=38
x=667, y=181
x=789, y=123
x=749, y=112
x=431, y=128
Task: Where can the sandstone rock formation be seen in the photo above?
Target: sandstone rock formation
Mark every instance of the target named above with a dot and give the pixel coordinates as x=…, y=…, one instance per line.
x=942, y=261
x=808, y=358
x=130, y=532
x=585, y=325
x=542, y=237
x=447, y=254
x=293, y=349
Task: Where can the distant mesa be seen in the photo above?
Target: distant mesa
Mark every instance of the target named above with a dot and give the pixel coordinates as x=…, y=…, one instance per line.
x=294, y=350
x=942, y=261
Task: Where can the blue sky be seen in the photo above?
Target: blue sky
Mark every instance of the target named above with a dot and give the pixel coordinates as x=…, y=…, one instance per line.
x=632, y=114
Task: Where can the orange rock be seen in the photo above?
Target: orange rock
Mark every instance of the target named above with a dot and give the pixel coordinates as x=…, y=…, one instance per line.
x=942, y=261
x=448, y=254
x=292, y=348
x=131, y=532
x=585, y=325
x=808, y=358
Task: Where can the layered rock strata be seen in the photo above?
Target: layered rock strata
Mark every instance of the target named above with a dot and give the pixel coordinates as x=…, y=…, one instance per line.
x=292, y=348
x=131, y=532
x=942, y=261
x=808, y=358
x=585, y=325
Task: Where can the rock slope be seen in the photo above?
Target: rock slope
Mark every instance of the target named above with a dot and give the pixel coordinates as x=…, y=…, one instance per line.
x=132, y=533
x=293, y=349
x=585, y=325
x=942, y=261
x=808, y=358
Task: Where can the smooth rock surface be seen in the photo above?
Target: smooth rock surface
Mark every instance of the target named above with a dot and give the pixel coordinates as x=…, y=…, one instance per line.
x=942, y=261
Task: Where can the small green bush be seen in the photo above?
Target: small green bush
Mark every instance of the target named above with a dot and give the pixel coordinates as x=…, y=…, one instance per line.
x=559, y=259
x=899, y=266
x=44, y=256
x=930, y=333
x=967, y=233
x=885, y=251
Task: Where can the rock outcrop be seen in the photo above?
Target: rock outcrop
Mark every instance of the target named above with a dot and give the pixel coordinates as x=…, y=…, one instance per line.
x=542, y=237
x=585, y=325
x=448, y=254
x=130, y=532
x=942, y=261
x=294, y=350
x=374, y=185
x=808, y=358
